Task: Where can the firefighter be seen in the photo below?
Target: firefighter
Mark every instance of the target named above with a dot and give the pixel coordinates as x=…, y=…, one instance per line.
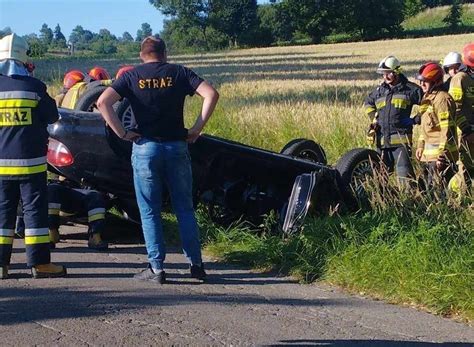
x=73, y=86
x=452, y=63
x=389, y=108
x=461, y=88
x=25, y=111
x=437, y=144
x=77, y=202
x=64, y=200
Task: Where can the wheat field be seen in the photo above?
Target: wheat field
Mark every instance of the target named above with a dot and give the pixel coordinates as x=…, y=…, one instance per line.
x=272, y=95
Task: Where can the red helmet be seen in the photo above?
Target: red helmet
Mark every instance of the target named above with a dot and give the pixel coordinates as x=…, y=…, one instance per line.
x=431, y=72
x=72, y=77
x=468, y=55
x=99, y=73
x=122, y=70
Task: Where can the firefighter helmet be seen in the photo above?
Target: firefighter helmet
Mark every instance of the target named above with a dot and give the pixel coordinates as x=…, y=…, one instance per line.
x=14, y=47
x=430, y=72
x=122, y=70
x=389, y=64
x=452, y=58
x=99, y=73
x=468, y=55
x=72, y=77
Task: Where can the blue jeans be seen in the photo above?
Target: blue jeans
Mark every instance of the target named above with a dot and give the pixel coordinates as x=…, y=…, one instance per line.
x=155, y=164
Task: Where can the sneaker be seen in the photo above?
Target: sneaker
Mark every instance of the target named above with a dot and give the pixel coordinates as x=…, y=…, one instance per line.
x=48, y=271
x=149, y=275
x=4, y=272
x=96, y=242
x=198, y=272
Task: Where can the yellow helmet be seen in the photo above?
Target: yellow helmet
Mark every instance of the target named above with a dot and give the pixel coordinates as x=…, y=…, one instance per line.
x=389, y=64
x=14, y=47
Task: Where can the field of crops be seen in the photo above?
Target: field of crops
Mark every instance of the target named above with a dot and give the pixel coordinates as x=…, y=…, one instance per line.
x=271, y=95
x=411, y=251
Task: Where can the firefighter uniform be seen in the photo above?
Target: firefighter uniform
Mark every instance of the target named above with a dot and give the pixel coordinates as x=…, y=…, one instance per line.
x=461, y=88
x=70, y=97
x=69, y=201
x=438, y=136
x=390, y=108
x=25, y=111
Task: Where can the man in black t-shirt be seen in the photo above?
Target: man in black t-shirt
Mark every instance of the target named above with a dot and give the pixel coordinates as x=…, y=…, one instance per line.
x=156, y=91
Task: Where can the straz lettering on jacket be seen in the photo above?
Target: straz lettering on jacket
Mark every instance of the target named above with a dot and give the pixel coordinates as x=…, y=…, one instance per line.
x=16, y=110
x=155, y=83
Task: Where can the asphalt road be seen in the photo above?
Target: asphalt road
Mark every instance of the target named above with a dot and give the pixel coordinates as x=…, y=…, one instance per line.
x=100, y=304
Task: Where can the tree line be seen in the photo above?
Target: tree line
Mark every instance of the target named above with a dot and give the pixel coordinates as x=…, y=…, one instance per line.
x=206, y=25
x=82, y=40
x=214, y=24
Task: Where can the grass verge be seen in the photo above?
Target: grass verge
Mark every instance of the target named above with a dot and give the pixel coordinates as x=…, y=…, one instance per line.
x=421, y=256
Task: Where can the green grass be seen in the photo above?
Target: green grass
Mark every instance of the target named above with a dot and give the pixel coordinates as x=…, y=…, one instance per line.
x=423, y=259
x=430, y=21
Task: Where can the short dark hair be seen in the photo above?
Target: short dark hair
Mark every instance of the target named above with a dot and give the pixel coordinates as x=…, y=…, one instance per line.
x=152, y=45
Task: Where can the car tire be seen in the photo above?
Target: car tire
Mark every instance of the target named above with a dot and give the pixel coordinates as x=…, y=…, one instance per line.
x=305, y=149
x=87, y=101
x=125, y=114
x=354, y=167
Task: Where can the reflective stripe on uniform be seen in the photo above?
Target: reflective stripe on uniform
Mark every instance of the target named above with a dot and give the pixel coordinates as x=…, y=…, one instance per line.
x=380, y=103
x=54, y=208
x=36, y=236
x=23, y=170
x=6, y=240
x=400, y=101
x=33, y=240
x=446, y=123
x=22, y=166
x=19, y=94
x=399, y=139
x=456, y=93
x=23, y=162
x=96, y=214
x=431, y=149
x=370, y=109
x=6, y=236
x=18, y=103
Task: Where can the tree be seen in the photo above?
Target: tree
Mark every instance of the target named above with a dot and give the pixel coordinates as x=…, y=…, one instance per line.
x=37, y=47
x=46, y=34
x=59, y=40
x=234, y=18
x=126, y=37
x=144, y=32
x=372, y=19
x=81, y=38
x=273, y=24
x=313, y=17
x=412, y=7
x=453, y=19
x=189, y=13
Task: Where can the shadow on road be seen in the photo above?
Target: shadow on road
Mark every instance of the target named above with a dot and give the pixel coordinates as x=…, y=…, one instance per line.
x=18, y=304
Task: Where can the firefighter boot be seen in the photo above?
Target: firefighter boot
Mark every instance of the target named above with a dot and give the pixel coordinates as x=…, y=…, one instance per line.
x=53, y=237
x=48, y=271
x=4, y=272
x=96, y=242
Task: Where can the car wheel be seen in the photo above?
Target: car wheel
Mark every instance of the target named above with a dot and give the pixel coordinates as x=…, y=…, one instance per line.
x=125, y=114
x=355, y=167
x=87, y=101
x=305, y=149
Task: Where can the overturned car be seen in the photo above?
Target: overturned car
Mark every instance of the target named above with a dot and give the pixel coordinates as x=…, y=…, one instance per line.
x=231, y=179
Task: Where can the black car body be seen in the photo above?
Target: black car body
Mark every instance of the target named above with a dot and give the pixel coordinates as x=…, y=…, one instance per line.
x=232, y=179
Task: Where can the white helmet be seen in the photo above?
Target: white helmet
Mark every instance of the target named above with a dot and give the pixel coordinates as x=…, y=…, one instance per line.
x=13, y=47
x=452, y=58
x=389, y=64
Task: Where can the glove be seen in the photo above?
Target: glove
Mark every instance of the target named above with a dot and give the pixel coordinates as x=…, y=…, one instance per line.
x=417, y=119
x=407, y=121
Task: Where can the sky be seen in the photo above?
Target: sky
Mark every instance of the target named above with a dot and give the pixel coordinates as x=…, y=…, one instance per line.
x=27, y=16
